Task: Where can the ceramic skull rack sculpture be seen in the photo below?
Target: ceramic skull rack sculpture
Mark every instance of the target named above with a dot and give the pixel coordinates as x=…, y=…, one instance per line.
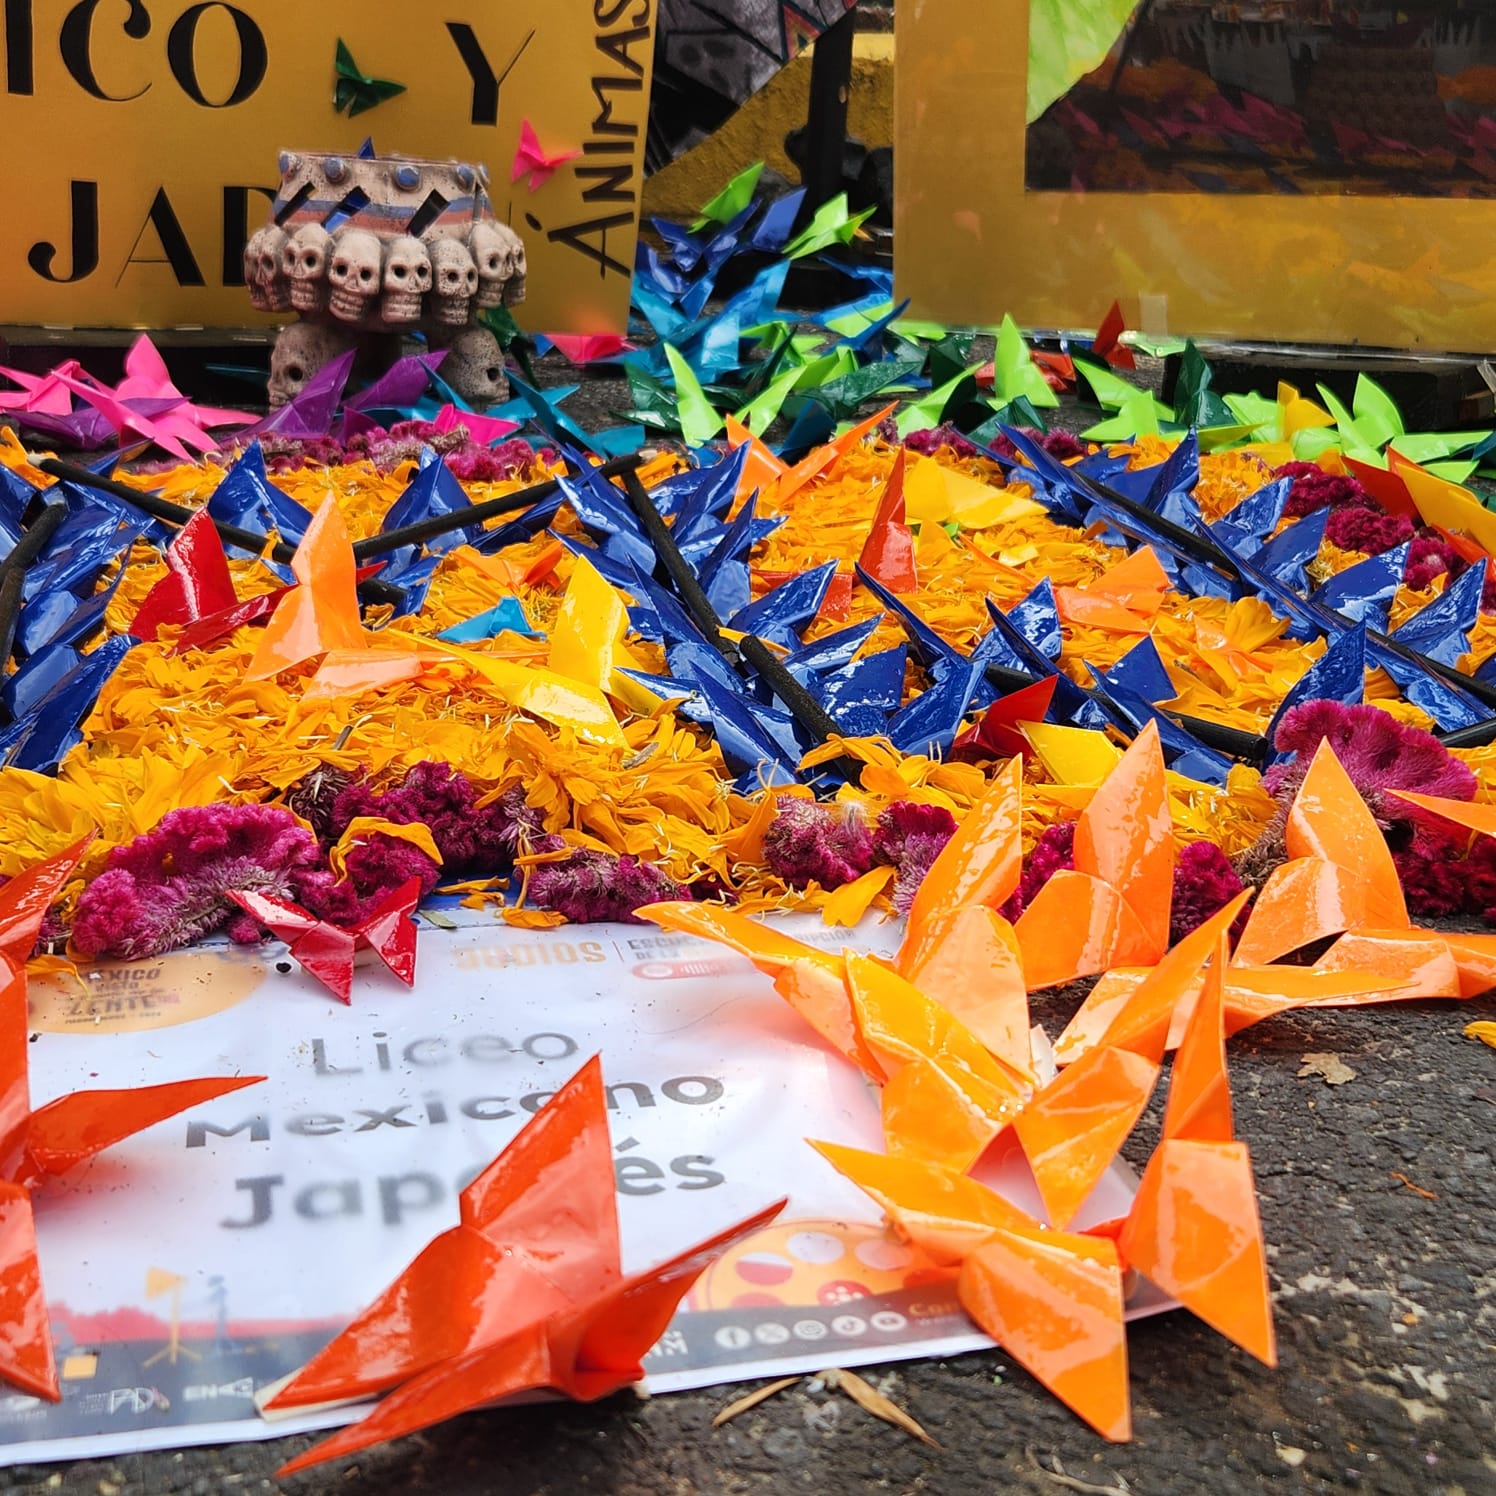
x=371, y=250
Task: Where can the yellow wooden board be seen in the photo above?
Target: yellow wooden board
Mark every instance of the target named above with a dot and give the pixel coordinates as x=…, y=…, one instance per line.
x=141, y=141
x=973, y=243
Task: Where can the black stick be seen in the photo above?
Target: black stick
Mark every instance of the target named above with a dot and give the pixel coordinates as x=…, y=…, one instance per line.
x=803, y=707
x=13, y=571
x=422, y=530
x=163, y=509
x=371, y=591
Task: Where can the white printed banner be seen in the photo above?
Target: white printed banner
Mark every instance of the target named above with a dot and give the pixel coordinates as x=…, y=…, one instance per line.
x=213, y=1254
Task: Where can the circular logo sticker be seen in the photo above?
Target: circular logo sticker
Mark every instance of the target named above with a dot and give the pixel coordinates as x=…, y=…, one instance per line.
x=131, y=997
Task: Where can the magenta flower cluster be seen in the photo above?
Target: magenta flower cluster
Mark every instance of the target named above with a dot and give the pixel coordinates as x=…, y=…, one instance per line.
x=1358, y=523
x=589, y=886
x=470, y=461
x=809, y=843
x=170, y=886
x=1204, y=880
x=1440, y=877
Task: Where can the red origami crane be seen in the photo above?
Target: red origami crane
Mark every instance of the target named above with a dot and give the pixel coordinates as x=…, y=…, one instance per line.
x=327, y=950
x=197, y=583
x=527, y=1292
x=39, y=1145
x=888, y=553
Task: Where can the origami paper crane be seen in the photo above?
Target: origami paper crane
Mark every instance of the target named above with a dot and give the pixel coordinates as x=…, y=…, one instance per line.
x=327, y=950
x=888, y=553
x=145, y=402
x=1193, y=1228
x=197, y=581
x=535, y=163
x=321, y=613
x=40, y=1144
x=1113, y=909
x=355, y=91
x=1052, y=1299
x=526, y=1293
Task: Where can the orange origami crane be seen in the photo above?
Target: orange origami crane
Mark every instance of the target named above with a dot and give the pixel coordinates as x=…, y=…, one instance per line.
x=1113, y=909
x=1124, y=600
x=41, y=1144
x=322, y=612
x=1053, y=1299
x=1340, y=881
x=527, y=1292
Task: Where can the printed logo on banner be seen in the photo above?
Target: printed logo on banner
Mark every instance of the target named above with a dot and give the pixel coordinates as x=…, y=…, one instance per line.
x=130, y=997
x=814, y=1262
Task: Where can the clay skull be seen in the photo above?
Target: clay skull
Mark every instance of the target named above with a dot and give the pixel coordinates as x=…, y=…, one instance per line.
x=354, y=274
x=514, y=287
x=494, y=247
x=300, y=350
x=269, y=286
x=455, y=280
x=407, y=278
x=474, y=367
x=305, y=259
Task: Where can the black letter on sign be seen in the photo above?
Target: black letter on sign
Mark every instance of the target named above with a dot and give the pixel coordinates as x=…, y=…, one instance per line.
x=178, y=252
x=42, y=256
x=75, y=39
x=485, y=81
x=20, y=49
x=253, y=57
x=236, y=230
x=260, y=1190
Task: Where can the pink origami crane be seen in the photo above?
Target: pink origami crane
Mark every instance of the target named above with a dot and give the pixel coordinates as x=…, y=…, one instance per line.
x=41, y=1144
x=527, y=1292
x=144, y=402
x=327, y=950
x=533, y=162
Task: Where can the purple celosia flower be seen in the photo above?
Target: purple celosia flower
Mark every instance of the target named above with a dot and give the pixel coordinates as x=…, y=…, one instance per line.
x=1436, y=877
x=1431, y=556
x=470, y=461
x=376, y=867
x=588, y=886
x=910, y=837
x=809, y=843
x=475, y=841
x=1054, y=851
x=1377, y=752
x=1063, y=445
x=170, y=886
x=1371, y=531
x=1314, y=488
x=929, y=441
x=1204, y=882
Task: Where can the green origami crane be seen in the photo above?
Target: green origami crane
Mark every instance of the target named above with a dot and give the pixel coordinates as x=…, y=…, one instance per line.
x=356, y=92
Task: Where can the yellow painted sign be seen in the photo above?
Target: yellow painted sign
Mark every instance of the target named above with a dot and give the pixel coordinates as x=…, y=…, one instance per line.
x=1348, y=266
x=142, y=138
